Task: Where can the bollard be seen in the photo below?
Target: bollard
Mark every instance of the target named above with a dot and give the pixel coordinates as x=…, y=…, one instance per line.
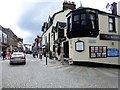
x=46, y=60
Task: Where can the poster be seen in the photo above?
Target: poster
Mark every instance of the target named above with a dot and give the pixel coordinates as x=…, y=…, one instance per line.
x=79, y=46
x=98, y=51
x=92, y=49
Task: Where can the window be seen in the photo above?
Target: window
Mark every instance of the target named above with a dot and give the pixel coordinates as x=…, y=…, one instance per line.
x=76, y=18
x=92, y=18
x=111, y=24
x=54, y=36
x=76, y=23
x=83, y=19
x=0, y=36
x=61, y=33
x=69, y=24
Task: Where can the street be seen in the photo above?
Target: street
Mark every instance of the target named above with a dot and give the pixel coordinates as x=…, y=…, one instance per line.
x=36, y=74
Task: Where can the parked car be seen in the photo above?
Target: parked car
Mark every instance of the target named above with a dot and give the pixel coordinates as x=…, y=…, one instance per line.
x=18, y=57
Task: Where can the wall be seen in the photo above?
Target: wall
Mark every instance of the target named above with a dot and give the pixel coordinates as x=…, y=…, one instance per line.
x=84, y=55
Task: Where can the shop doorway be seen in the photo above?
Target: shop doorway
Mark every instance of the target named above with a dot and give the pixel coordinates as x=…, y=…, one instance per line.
x=66, y=49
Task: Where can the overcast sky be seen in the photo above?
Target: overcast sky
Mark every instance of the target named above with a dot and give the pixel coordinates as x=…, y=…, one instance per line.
x=25, y=17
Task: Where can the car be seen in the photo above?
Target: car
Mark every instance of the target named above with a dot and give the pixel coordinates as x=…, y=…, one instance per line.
x=17, y=57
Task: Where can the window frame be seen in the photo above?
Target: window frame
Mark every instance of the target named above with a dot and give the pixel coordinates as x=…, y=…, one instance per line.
x=111, y=23
x=69, y=24
x=92, y=21
x=76, y=23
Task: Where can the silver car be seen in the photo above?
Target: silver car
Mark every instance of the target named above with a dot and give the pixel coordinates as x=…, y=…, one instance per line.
x=18, y=57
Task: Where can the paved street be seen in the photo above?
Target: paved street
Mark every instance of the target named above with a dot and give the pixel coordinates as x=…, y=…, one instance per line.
x=35, y=74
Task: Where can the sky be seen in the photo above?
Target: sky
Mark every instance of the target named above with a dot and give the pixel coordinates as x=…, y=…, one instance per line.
x=26, y=17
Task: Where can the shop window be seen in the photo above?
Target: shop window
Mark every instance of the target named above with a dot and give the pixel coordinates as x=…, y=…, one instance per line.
x=111, y=24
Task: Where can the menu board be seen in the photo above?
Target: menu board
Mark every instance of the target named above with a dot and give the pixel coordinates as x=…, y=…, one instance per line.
x=98, y=51
x=79, y=46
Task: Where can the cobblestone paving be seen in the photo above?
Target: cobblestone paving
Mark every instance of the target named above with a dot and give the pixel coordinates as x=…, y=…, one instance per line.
x=36, y=74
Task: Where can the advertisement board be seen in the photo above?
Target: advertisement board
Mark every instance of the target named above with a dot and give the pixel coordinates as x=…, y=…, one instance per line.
x=113, y=52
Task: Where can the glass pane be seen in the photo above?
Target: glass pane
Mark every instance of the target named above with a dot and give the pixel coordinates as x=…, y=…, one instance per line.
x=83, y=22
x=111, y=27
x=92, y=16
x=93, y=24
x=83, y=16
x=76, y=17
x=111, y=20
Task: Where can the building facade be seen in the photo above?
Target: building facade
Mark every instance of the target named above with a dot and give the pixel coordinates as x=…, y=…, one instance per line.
x=54, y=31
x=0, y=38
x=8, y=40
x=85, y=34
x=3, y=39
x=93, y=36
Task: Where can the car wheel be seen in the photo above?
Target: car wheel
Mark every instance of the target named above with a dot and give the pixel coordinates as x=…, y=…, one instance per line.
x=25, y=62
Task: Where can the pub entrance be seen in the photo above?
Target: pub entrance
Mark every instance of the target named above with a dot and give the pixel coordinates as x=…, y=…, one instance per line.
x=66, y=49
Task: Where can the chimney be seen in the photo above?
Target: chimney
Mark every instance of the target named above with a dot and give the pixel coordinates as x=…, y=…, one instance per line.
x=114, y=8
x=69, y=5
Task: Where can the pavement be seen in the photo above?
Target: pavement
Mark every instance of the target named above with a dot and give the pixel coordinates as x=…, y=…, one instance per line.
x=36, y=74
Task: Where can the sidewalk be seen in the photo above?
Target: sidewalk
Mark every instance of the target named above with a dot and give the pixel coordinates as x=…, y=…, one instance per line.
x=52, y=61
x=2, y=59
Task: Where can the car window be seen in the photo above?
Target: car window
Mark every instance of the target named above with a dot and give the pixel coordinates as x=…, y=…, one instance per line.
x=17, y=54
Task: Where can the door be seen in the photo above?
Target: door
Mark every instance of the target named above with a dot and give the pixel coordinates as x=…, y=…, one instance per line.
x=66, y=49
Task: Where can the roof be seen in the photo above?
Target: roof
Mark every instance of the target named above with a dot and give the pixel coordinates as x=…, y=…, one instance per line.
x=87, y=8
x=53, y=19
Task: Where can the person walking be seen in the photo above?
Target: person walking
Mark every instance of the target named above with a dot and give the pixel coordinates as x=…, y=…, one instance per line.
x=44, y=53
x=4, y=55
x=36, y=53
x=8, y=54
x=41, y=53
x=0, y=53
x=33, y=54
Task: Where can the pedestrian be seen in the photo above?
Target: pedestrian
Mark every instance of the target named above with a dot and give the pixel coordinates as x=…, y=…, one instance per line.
x=8, y=54
x=4, y=55
x=34, y=54
x=62, y=56
x=44, y=53
x=58, y=51
x=53, y=55
x=0, y=53
x=41, y=53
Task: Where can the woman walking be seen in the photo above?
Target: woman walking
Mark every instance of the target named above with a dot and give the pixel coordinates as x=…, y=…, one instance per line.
x=41, y=53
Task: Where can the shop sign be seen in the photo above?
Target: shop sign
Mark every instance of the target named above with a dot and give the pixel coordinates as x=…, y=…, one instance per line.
x=109, y=37
x=113, y=52
x=98, y=51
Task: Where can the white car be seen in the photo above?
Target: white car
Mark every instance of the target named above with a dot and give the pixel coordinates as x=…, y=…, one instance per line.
x=18, y=57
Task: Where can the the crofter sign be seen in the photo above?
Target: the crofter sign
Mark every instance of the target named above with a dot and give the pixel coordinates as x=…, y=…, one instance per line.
x=109, y=37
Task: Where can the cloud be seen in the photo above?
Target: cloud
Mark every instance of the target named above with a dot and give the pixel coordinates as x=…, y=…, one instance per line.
x=34, y=14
